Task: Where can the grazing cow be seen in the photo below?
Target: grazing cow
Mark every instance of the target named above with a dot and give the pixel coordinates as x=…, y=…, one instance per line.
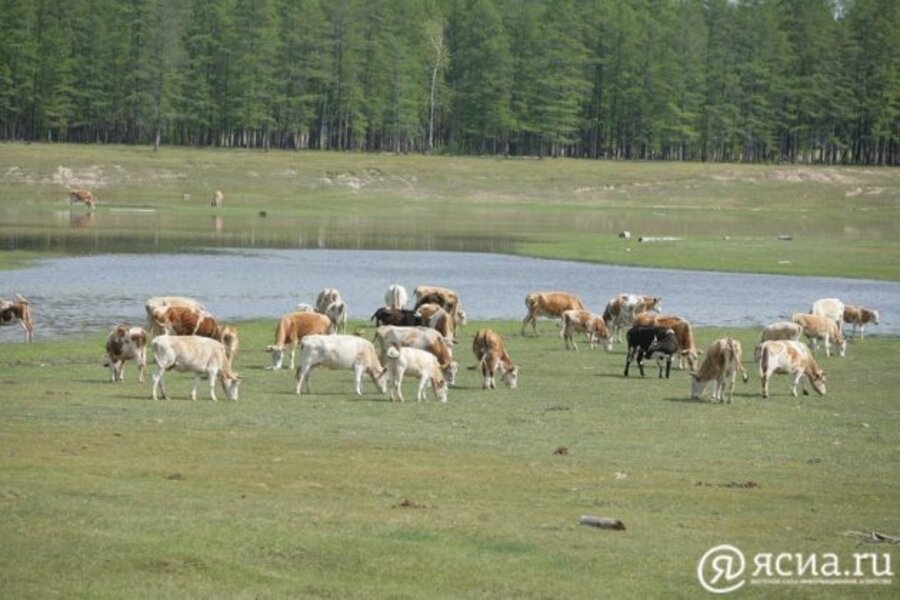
x=416, y=362
x=645, y=342
x=492, y=356
x=230, y=341
x=817, y=327
x=326, y=297
x=831, y=308
x=180, y=320
x=396, y=296
x=687, y=350
x=83, y=196
x=159, y=302
x=292, y=328
x=218, y=199
x=423, y=338
x=859, y=317
x=621, y=310
x=722, y=362
x=401, y=317
x=792, y=358
x=437, y=318
x=548, y=304
x=337, y=312
x=198, y=355
x=585, y=322
x=123, y=343
x=339, y=352
x=17, y=311
x=781, y=330
x=443, y=297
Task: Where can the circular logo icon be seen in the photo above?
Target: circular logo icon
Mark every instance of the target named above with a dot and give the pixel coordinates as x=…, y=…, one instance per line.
x=720, y=569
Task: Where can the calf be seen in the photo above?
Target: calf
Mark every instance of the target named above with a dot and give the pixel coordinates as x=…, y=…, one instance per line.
x=644, y=342
x=17, y=311
x=794, y=359
x=339, y=352
x=415, y=362
x=621, y=310
x=722, y=362
x=194, y=354
x=83, y=196
x=781, y=330
x=423, y=338
x=817, y=327
x=548, y=304
x=400, y=317
x=687, y=350
x=585, y=322
x=291, y=330
x=396, y=296
x=492, y=356
x=859, y=317
x=123, y=343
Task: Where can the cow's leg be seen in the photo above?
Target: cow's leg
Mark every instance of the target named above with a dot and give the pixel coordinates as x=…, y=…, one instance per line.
x=213, y=375
x=302, y=378
x=797, y=378
x=158, y=385
x=528, y=318
x=293, y=351
x=629, y=356
x=141, y=364
x=358, y=370
x=827, y=345
x=424, y=380
x=640, y=360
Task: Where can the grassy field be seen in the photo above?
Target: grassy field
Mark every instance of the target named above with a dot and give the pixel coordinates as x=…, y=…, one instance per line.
x=106, y=493
x=841, y=221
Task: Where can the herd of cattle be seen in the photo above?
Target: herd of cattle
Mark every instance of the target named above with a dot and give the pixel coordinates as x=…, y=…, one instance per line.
x=419, y=341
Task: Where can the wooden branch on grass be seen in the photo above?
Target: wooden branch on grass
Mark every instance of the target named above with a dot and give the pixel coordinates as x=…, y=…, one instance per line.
x=602, y=522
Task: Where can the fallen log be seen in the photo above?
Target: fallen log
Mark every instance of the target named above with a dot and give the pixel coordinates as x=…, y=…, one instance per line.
x=602, y=522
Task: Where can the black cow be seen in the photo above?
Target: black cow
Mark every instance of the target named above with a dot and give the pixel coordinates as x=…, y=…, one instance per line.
x=401, y=317
x=644, y=342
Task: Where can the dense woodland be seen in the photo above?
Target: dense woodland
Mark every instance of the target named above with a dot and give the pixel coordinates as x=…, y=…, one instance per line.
x=814, y=81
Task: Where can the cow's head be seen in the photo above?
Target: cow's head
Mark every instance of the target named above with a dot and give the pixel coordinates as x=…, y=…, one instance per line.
x=231, y=384
x=816, y=378
x=697, y=387
x=510, y=376
x=449, y=371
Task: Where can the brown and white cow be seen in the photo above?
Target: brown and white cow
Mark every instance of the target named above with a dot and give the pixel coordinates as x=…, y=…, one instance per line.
x=687, y=350
x=721, y=364
x=492, y=356
x=437, y=318
x=584, y=321
x=193, y=354
x=156, y=303
x=621, y=310
x=218, y=199
x=548, y=304
x=443, y=297
x=126, y=342
x=791, y=358
x=82, y=196
x=423, y=338
x=17, y=311
x=818, y=327
x=291, y=330
x=781, y=330
x=859, y=317
x=831, y=308
x=181, y=320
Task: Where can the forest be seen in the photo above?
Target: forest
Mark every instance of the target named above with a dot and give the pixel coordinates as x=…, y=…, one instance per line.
x=805, y=81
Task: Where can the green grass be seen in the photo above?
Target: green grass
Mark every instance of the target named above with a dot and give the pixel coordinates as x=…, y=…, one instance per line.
x=843, y=221
x=107, y=493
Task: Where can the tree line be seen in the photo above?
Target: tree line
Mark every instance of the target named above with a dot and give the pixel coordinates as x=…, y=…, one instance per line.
x=812, y=81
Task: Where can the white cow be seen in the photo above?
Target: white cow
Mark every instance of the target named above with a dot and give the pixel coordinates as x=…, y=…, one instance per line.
x=415, y=362
x=194, y=354
x=339, y=352
x=423, y=338
x=831, y=308
x=396, y=296
x=791, y=358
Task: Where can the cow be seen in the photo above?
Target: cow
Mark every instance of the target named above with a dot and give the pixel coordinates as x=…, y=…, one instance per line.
x=443, y=297
x=158, y=302
x=416, y=362
x=423, y=338
x=621, y=310
x=794, y=359
x=326, y=297
x=721, y=364
x=548, y=304
x=230, y=341
x=781, y=330
x=194, y=354
x=491, y=354
x=337, y=312
x=645, y=342
x=437, y=318
x=818, y=327
x=123, y=343
x=339, y=352
x=585, y=322
x=180, y=320
x=396, y=296
x=17, y=311
x=831, y=308
x=83, y=196
x=687, y=350
x=291, y=329
x=401, y=317
x=859, y=317
x=218, y=199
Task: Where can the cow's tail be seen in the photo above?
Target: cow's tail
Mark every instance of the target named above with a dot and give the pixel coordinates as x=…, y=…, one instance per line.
x=764, y=361
x=22, y=299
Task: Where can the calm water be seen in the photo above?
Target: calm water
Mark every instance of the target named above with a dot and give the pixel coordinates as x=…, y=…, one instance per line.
x=90, y=294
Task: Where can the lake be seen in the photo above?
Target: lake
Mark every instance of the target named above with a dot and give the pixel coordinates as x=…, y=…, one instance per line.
x=90, y=294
